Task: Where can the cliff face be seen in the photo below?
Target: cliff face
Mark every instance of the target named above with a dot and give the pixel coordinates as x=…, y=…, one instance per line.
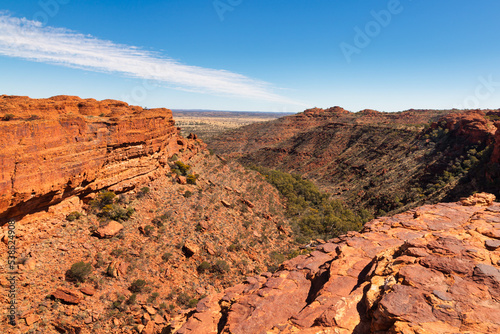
x=54, y=148
x=431, y=270
x=386, y=162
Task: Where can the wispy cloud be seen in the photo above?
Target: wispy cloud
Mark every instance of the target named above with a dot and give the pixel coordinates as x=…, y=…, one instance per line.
x=23, y=38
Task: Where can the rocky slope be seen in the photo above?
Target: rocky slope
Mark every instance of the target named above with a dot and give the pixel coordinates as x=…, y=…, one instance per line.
x=186, y=222
x=51, y=149
x=435, y=269
x=386, y=162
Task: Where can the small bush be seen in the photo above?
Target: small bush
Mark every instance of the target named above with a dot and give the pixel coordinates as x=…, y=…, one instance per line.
x=103, y=199
x=117, y=252
x=99, y=261
x=8, y=117
x=165, y=257
x=234, y=247
x=220, y=267
x=33, y=117
x=191, y=178
x=188, y=194
x=73, y=216
x=152, y=297
x=184, y=300
x=204, y=266
x=182, y=167
x=116, y=212
x=137, y=286
x=148, y=230
x=158, y=222
x=143, y=192
x=80, y=270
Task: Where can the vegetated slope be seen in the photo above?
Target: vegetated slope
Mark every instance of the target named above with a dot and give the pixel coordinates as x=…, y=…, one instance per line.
x=384, y=162
x=97, y=261
x=435, y=269
x=311, y=212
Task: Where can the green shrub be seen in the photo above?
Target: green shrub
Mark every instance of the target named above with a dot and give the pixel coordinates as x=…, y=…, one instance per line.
x=220, y=267
x=235, y=247
x=137, y=286
x=204, y=266
x=132, y=299
x=104, y=198
x=80, y=270
x=191, y=178
x=181, y=167
x=73, y=216
x=8, y=117
x=152, y=297
x=143, y=192
x=188, y=194
x=157, y=221
x=192, y=303
x=184, y=300
x=148, y=230
x=117, y=252
x=166, y=256
x=99, y=261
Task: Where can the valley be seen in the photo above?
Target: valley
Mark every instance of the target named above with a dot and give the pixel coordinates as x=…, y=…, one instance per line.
x=325, y=221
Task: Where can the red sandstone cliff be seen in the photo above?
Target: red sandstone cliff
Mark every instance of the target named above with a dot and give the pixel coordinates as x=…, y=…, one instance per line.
x=54, y=148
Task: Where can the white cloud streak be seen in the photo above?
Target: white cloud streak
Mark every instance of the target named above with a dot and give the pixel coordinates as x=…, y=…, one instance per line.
x=23, y=38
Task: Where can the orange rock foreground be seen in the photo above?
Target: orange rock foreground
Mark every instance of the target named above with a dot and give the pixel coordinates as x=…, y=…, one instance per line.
x=52, y=149
x=430, y=270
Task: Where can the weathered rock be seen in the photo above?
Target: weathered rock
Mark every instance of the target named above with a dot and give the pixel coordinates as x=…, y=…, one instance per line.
x=248, y=203
x=77, y=146
x=88, y=291
x=479, y=199
x=110, y=230
x=492, y=244
x=190, y=248
x=68, y=296
x=181, y=179
x=31, y=319
x=150, y=310
x=412, y=273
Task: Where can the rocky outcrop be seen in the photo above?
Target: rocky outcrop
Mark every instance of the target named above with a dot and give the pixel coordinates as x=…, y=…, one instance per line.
x=51, y=149
x=423, y=271
x=473, y=126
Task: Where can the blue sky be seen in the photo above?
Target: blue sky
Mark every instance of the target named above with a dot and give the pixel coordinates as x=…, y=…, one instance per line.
x=254, y=54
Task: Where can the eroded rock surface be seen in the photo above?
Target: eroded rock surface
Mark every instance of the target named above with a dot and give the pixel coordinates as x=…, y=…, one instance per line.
x=51, y=149
x=423, y=271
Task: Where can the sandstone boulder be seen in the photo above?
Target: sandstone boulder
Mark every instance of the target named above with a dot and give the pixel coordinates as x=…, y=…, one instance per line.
x=110, y=230
x=67, y=295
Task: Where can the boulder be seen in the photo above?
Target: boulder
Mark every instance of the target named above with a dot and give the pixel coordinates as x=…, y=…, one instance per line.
x=68, y=296
x=110, y=230
x=190, y=248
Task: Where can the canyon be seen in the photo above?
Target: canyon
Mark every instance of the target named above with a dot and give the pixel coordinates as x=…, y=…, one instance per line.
x=383, y=162
x=123, y=225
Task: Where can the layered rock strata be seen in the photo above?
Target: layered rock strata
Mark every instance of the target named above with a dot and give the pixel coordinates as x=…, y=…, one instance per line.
x=51, y=149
